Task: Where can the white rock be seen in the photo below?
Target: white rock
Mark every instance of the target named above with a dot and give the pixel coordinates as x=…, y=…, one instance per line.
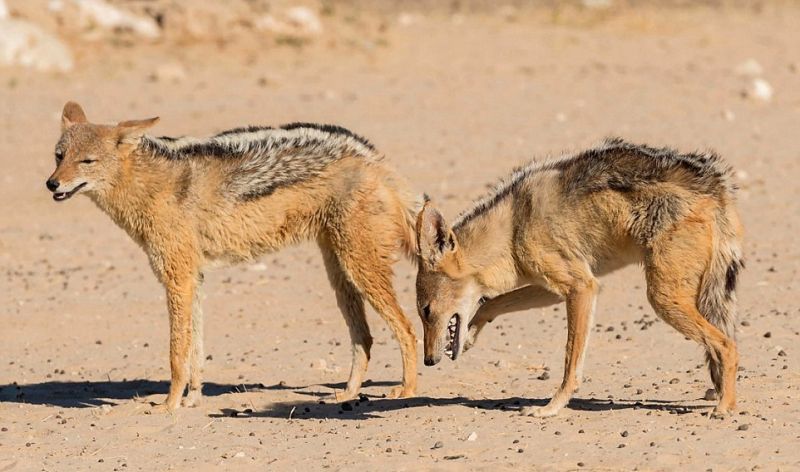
x=472, y=436
x=406, y=19
x=259, y=267
x=728, y=115
x=172, y=72
x=304, y=19
x=597, y=3
x=110, y=17
x=239, y=455
x=760, y=89
x=25, y=44
x=298, y=21
x=749, y=68
x=55, y=5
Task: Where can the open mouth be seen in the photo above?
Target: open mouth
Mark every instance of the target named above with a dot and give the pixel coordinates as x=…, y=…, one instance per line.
x=453, y=336
x=61, y=196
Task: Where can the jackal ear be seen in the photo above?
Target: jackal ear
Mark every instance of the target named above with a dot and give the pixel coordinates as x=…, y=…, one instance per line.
x=435, y=239
x=72, y=114
x=129, y=132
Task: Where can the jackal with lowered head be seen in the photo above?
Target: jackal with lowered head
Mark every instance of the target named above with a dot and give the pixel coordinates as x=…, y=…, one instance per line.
x=548, y=231
x=194, y=202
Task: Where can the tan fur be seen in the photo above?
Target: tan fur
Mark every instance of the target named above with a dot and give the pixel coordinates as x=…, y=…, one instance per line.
x=356, y=209
x=533, y=244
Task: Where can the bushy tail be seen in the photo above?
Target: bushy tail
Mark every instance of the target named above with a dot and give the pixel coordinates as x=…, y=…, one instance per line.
x=717, y=299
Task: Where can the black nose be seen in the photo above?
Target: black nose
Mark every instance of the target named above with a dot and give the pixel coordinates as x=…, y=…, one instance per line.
x=52, y=185
x=429, y=361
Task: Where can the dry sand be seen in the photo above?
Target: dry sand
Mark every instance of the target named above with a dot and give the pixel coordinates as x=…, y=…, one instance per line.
x=455, y=101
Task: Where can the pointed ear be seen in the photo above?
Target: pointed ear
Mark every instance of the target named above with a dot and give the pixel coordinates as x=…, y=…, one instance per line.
x=72, y=114
x=129, y=132
x=435, y=239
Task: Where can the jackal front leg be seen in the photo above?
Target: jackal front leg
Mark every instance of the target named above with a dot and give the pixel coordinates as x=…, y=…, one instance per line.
x=180, y=296
x=521, y=299
x=580, y=310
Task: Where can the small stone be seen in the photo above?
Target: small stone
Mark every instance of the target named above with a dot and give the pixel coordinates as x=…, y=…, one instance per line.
x=472, y=436
x=760, y=90
x=174, y=73
x=624, y=434
x=544, y=376
x=674, y=381
x=581, y=464
x=782, y=353
x=743, y=427
x=749, y=68
x=768, y=334
x=438, y=445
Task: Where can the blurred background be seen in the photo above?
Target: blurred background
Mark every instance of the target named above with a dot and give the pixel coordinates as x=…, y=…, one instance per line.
x=456, y=93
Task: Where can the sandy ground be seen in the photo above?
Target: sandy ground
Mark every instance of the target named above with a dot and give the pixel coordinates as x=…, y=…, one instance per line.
x=455, y=102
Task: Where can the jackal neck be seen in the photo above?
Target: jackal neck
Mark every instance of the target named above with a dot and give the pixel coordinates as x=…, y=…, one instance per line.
x=131, y=198
x=486, y=248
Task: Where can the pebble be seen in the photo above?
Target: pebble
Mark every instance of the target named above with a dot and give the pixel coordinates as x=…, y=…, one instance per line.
x=472, y=436
x=743, y=427
x=749, y=68
x=438, y=445
x=174, y=73
x=624, y=434
x=768, y=334
x=544, y=376
x=759, y=89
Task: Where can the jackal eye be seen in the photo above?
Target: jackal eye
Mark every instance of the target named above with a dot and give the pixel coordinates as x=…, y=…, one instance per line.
x=426, y=311
x=59, y=157
x=88, y=161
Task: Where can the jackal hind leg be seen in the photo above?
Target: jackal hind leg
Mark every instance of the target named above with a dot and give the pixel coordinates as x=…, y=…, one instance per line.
x=351, y=304
x=674, y=269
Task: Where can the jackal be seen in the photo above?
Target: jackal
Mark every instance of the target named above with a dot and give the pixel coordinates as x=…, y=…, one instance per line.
x=549, y=230
x=194, y=202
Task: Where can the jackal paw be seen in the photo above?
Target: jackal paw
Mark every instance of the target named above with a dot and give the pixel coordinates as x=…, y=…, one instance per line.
x=540, y=411
x=161, y=409
x=345, y=395
x=401, y=392
x=472, y=336
x=192, y=399
x=720, y=412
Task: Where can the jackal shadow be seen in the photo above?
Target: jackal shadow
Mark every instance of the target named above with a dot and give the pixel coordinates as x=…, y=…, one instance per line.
x=367, y=407
x=87, y=394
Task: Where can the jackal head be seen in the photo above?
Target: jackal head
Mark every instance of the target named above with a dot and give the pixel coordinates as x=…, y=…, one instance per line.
x=448, y=294
x=89, y=156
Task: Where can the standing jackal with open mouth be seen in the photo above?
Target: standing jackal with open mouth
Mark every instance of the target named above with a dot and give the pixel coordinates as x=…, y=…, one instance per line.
x=545, y=233
x=194, y=202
